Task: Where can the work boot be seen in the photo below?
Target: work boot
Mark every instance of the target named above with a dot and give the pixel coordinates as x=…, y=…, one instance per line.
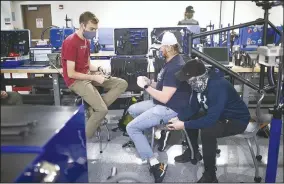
x=159, y=171
x=209, y=176
x=186, y=156
x=163, y=141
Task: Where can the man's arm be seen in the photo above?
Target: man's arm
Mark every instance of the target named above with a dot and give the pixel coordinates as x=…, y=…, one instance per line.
x=218, y=99
x=162, y=96
x=193, y=108
x=81, y=76
x=170, y=84
x=153, y=84
x=93, y=68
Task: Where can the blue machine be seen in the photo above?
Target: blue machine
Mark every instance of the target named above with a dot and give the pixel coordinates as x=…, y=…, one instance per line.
x=251, y=37
x=57, y=35
x=65, y=152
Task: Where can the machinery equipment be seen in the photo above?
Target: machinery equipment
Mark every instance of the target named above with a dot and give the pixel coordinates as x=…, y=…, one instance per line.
x=277, y=111
x=15, y=46
x=269, y=55
x=58, y=35
x=49, y=154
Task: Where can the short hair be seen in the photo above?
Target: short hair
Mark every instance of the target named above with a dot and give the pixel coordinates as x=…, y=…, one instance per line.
x=88, y=16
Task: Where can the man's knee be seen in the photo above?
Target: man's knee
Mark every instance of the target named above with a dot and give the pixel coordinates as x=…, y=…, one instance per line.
x=15, y=98
x=132, y=109
x=131, y=128
x=103, y=110
x=122, y=84
x=207, y=133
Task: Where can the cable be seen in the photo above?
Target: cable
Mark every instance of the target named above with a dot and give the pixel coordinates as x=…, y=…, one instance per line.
x=42, y=33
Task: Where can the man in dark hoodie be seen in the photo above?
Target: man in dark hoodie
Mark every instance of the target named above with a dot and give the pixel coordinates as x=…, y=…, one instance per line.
x=215, y=108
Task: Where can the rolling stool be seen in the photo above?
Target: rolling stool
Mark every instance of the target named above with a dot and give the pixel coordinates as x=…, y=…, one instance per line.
x=184, y=134
x=79, y=101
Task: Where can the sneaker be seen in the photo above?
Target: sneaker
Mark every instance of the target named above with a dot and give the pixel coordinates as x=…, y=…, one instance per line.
x=159, y=171
x=163, y=141
x=186, y=156
x=208, y=177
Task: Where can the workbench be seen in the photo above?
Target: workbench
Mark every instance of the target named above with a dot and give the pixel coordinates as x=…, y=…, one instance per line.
x=105, y=63
x=56, y=133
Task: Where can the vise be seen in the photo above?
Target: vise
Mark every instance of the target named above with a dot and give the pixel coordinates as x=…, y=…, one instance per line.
x=269, y=55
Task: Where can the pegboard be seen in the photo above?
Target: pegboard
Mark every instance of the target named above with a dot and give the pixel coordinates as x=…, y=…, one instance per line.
x=131, y=41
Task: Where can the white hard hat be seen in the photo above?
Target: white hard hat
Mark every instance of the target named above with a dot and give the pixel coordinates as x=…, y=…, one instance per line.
x=168, y=39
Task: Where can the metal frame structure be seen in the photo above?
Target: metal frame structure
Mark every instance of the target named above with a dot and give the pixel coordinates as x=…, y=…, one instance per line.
x=276, y=123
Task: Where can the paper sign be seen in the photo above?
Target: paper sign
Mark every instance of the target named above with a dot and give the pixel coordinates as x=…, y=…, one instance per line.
x=7, y=21
x=39, y=23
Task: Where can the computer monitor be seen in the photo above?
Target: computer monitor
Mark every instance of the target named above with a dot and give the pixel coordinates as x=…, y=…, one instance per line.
x=221, y=54
x=106, y=36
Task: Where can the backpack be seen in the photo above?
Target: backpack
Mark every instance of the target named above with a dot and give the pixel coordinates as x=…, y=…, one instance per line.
x=126, y=117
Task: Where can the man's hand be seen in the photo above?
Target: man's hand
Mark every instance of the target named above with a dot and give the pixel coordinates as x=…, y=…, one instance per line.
x=175, y=124
x=146, y=79
x=98, y=78
x=141, y=82
x=4, y=94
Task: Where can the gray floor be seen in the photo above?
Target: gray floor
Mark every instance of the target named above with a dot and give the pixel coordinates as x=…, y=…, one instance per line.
x=234, y=163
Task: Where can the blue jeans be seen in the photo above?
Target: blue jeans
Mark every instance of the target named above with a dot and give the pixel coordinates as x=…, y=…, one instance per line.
x=146, y=115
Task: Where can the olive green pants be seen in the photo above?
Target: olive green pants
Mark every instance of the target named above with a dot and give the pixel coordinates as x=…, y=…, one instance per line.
x=98, y=104
x=13, y=98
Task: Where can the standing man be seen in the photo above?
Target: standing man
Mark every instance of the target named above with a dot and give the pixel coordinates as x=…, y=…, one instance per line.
x=216, y=108
x=76, y=71
x=188, y=17
x=170, y=97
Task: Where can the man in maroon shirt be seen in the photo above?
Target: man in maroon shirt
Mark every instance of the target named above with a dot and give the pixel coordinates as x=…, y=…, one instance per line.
x=75, y=56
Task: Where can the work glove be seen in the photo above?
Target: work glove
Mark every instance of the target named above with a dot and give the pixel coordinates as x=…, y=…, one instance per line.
x=141, y=82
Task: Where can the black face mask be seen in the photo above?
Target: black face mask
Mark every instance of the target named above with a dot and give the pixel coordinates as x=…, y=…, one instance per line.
x=199, y=83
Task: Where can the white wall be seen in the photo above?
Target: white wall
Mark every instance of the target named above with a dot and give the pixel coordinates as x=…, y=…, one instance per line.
x=6, y=13
x=150, y=13
x=127, y=13
x=247, y=11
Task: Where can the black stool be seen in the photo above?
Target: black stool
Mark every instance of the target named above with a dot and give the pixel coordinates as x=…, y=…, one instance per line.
x=79, y=101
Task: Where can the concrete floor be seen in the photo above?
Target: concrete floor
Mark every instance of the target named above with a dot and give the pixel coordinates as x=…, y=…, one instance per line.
x=234, y=164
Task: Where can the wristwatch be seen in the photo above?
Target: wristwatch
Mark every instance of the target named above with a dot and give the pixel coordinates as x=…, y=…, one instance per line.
x=146, y=86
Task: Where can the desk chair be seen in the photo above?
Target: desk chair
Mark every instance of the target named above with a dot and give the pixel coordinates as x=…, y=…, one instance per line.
x=185, y=137
x=248, y=135
x=79, y=101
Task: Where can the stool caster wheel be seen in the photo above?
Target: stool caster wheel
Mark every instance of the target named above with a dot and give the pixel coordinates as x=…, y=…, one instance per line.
x=218, y=151
x=183, y=143
x=108, y=140
x=101, y=151
x=258, y=158
x=194, y=161
x=257, y=179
